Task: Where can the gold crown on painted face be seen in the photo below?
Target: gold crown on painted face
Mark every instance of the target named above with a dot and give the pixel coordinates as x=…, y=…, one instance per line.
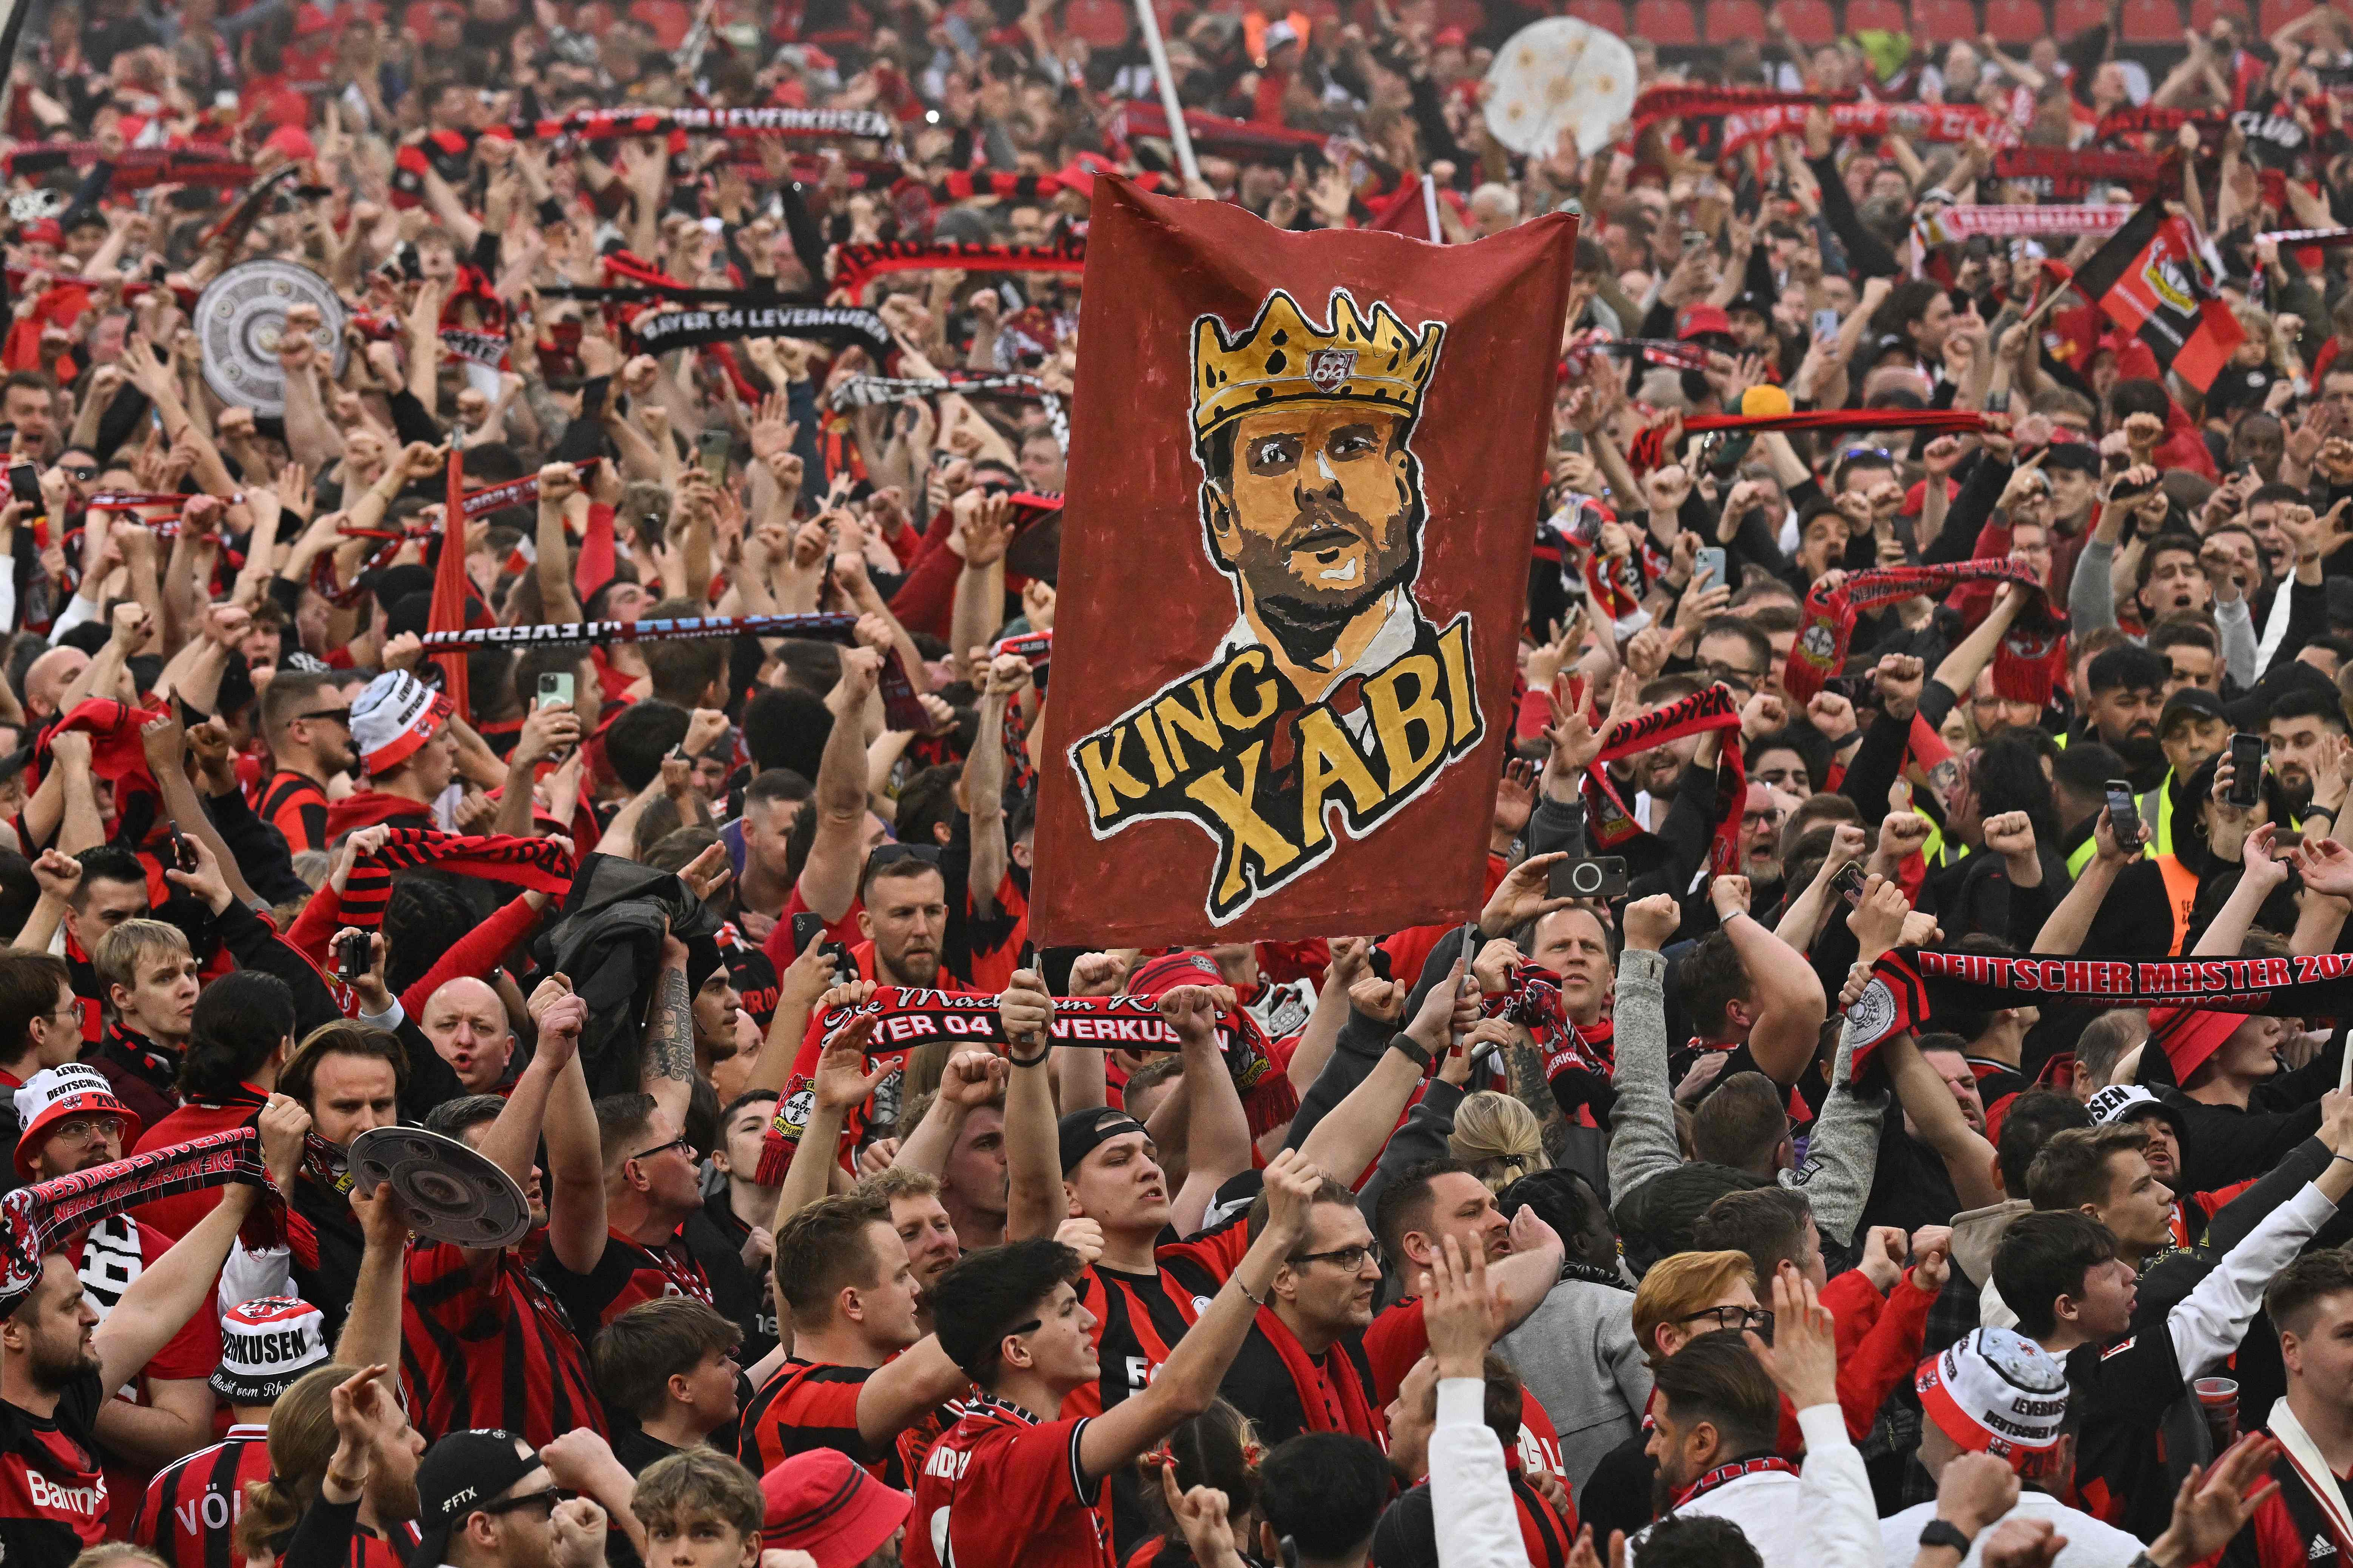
x=1283, y=357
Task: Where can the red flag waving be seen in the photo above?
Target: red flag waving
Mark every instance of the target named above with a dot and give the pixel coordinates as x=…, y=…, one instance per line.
x=2153, y=280
x=1294, y=548
x=450, y=586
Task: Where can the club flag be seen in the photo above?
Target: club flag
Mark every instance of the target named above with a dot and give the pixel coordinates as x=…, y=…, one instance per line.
x=2153, y=279
x=1293, y=558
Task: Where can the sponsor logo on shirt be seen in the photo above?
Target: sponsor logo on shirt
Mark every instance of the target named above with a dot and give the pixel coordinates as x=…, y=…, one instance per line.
x=90, y=1500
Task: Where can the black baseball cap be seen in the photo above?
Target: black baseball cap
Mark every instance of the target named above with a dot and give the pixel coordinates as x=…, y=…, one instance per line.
x=459, y=1475
x=1082, y=1133
x=2190, y=703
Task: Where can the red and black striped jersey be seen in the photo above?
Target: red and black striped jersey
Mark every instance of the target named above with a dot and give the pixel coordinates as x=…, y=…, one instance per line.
x=810, y=1404
x=1003, y=1490
x=53, y=1498
x=627, y=1274
x=189, y=1515
x=296, y=807
x=484, y=1344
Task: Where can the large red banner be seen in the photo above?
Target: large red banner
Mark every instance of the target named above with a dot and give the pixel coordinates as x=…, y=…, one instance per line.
x=1305, y=474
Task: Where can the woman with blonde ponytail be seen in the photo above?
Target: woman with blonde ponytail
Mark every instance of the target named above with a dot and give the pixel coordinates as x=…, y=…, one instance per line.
x=1498, y=1138
x=301, y=1441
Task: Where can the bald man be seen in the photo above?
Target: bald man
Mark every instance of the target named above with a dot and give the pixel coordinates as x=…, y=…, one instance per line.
x=468, y=1025
x=47, y=677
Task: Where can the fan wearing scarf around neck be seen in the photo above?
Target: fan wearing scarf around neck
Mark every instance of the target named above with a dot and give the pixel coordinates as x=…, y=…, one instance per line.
x=59, y=1359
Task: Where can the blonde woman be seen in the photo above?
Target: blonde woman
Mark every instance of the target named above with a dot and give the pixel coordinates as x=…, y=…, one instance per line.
x=1498, y=1138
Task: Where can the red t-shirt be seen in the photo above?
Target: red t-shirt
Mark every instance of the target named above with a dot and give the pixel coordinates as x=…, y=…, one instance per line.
x=1019, y=1496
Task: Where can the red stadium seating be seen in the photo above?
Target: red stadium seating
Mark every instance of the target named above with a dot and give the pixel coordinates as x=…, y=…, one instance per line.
x=1730, y=19
x=2072, y=16
x=1467, y=14
x=2016, y=21
x=2151, y=22
x=1808, y=21
x=1885, y=15
x=2278, y=14
x=1610, y=15
x=1666, y=21
x=1942, y=21
x=1101, y=23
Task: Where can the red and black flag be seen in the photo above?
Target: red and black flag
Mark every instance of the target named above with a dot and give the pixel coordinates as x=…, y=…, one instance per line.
x=2153, y=280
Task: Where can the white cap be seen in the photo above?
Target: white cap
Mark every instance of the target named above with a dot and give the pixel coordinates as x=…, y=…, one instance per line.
x=1995, y=1392
x=394, y=716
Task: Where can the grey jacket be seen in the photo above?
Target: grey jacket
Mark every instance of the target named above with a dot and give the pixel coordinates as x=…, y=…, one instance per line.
x=1576, y=1352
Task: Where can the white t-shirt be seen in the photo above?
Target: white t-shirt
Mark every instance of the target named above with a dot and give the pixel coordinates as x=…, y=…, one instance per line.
x=2090, y=1543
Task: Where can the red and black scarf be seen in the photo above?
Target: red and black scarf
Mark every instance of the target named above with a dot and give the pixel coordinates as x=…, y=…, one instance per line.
x=1612, y=822
x=537, y=865
x=1821, y=649
x=855, y=266
x=1648, y=449
x=34, y=1220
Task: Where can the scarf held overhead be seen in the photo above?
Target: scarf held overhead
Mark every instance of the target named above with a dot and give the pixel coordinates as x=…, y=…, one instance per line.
x=1613, y=823
x=856, y=265
x=1909, y=987
x=835, y=326
x=37, y=1219
x=536, y=864
x=1821, y=649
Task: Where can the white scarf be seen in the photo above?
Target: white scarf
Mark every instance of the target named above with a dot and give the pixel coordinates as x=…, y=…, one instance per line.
x=2304, y=1454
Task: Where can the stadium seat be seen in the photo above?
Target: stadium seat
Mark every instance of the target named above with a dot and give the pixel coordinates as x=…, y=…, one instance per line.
x=2203, y=12
x=1808, y=21
x=2019, y=22
x=2072, y=16
x=1610, y=15
x=1101, y=23
x=1730, y=19
x=1666, y=22
x=2151, y=22
x=1881, y=16
x=1943, y=21
x=2278, y=14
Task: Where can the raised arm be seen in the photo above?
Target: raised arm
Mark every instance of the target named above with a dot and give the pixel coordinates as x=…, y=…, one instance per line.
x=1969, y=1158
x=1188, y=1381
x=1217, y=1135
x=1787, y=995
x=576, y=1157
x=670, y=1034
x=828, y=878
x=1350, y=1138
x=1035, y=1203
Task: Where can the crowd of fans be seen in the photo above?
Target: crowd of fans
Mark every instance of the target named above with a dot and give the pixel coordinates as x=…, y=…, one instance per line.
x=1572, y=1239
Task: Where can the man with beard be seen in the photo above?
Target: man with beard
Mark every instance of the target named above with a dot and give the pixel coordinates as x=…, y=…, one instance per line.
x=902, y=913
x=479, y=1342
x=73, y=1123
x=2124, y=697
x=60, y=1361
x=1715, y=1421
x=307, y=721
x=2305, y=737
x=1312, y=503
